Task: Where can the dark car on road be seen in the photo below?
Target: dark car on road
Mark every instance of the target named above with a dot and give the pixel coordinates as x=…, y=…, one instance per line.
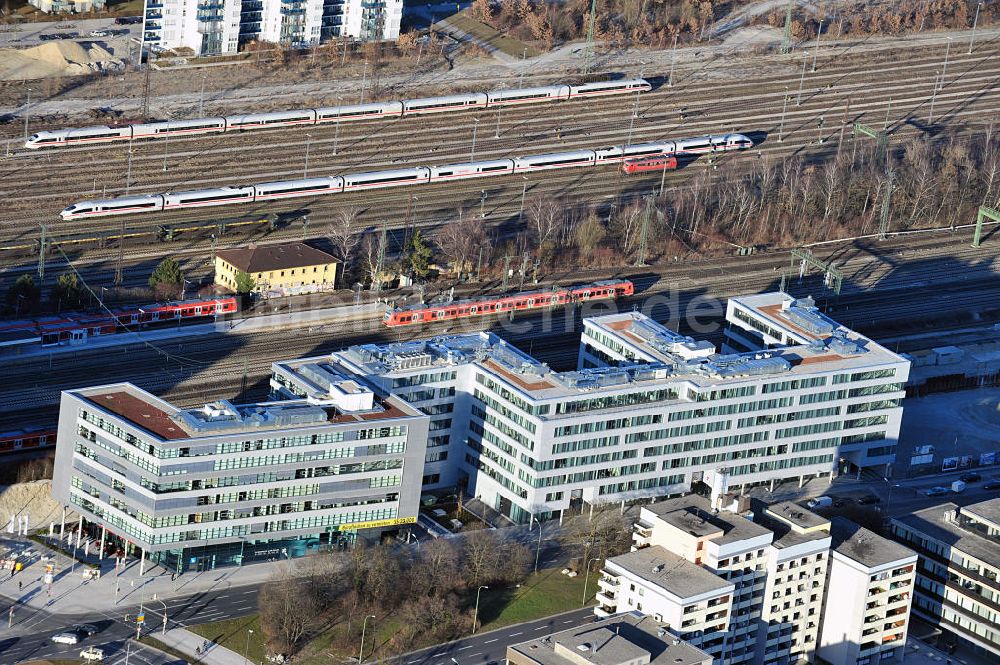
x=937, y=491
x=992, y=485
x=971, y=477
x=868, y=500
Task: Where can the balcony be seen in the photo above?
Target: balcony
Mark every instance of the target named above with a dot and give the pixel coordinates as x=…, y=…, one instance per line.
x=153, y=26
x=606, y=598
x=603, y=611
x=152, y=37
x=154, y=16
x=154, y=5
x=874, y=591
x=898, y=597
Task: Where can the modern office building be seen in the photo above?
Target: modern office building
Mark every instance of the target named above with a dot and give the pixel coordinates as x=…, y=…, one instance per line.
x=629, y=639
x=648, y=412
x=228, y=484
x=210, y=27
x=869, y=590
x=753, y=591
x=957, y=588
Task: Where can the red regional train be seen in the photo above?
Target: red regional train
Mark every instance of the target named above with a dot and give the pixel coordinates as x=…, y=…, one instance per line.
x=26, y=439
x=645, y=164
x=76, y=328
x=518, y=302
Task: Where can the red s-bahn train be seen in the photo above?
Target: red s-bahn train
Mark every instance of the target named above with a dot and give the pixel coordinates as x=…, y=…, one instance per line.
x=76, y=328
x=646, y=164
x=519, y=302
x=27, y=439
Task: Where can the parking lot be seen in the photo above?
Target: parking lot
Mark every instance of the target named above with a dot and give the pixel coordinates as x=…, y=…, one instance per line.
x=33, y=34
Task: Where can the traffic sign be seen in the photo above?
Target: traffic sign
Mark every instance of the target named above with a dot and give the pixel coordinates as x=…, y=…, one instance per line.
x=141, y=618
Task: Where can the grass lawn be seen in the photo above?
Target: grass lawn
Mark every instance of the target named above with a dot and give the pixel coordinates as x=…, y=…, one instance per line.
x=157, y=644
x=541, y=595
x=512, y=47
x=232, y=634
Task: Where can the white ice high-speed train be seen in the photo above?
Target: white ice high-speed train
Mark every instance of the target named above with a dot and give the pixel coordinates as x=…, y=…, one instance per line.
x=418, y=175
x=407, y=107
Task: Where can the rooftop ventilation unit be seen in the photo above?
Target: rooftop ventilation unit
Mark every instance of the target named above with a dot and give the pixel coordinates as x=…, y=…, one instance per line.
x=803, y=313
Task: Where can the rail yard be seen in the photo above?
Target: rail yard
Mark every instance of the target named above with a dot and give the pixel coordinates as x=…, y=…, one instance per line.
x=890, y=86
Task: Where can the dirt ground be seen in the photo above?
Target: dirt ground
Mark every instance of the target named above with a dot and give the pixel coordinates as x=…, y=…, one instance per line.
x=32, y=499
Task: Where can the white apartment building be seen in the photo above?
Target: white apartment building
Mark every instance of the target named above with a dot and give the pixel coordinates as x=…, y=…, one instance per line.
x=648, y=413
x=958, y=575
x=229, y=484
x=699, y=562
x=796, y=579
x=868, y=595
x=210, y=27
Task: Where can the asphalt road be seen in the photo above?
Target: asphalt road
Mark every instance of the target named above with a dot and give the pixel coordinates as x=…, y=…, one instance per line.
x=30, y=636
x=491, y=647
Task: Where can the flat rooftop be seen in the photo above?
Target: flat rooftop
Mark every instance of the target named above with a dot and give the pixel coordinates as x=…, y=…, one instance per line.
x=617, y=640
x=170, y=423
x=797, y=516
x=958, y=534
x=864, y=546
x=674, y=573
x=693, y=514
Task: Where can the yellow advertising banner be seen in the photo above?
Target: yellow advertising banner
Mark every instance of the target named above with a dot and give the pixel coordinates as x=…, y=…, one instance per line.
x=378, y=524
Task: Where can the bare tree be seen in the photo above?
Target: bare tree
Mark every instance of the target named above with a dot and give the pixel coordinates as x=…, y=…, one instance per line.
x=481, y=552
x=288, y=613
x=436, y=571
x=343, y=233
x=603, y=534
x=545, y=215
x=460, y=239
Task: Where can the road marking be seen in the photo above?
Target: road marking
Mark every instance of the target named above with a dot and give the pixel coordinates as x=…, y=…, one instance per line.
x=516, y=634
x=493, y=640
x=569, y=622
x=461, y=648
x=541, y=628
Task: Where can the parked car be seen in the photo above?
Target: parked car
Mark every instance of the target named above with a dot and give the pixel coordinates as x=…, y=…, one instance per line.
x=46, y=38
x=87, y=629
x=100, y=33
x=937, y=491
x=92, y=654
x=992, y=485
x=868, y=500
x=819, y=502
x=970, y=477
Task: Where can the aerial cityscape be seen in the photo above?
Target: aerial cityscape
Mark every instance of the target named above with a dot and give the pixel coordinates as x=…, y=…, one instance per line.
x=502, y=332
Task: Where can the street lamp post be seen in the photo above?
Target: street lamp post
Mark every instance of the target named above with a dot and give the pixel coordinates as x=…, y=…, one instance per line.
x=538, y=548
x=475, y=127
x=246, y=648
x=673, y=61
x=475, y=615
x=305, y=168
x=166, y=142
x=201, y=99
x=944, y=67
x=361, y=651
x=586, y=579
x=524, y=190
x=164, y=613
x=975, y=23
x=784, y=107
x=336, y=133
x=802, y=79
x=524, y=54
x=482, y=204
x=934, y=92
x=128, y=172
x=819, y=32
x=364, y=81
x=497, y=135
x=27, y=108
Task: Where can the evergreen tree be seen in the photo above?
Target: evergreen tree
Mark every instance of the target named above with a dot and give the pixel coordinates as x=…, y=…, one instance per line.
x=417, y=256
x=166, y=278
x=23, y=295
x=67, y=292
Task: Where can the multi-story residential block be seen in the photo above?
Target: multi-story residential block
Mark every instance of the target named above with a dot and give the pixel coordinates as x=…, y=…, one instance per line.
x=712, y=544
x=649, y=412
x=957, y=572
x=797, y=563
x=672, y=590
x=868, y=595
x=771, y=577
x=211, y=27
x=629, y=639
x=228, y=484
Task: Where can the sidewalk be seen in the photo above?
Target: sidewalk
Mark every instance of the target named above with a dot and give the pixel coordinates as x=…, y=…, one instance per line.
x=189, y=644
x=70, y=593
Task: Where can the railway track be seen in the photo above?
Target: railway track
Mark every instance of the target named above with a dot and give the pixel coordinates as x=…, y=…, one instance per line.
x=970, y=78
x=237, y=366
